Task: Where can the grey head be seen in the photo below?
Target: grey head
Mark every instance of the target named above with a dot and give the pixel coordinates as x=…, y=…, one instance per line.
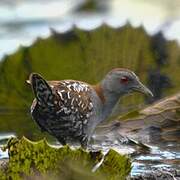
x=121, y=81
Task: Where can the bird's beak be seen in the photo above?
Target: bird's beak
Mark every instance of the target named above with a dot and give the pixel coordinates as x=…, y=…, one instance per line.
x=143, y=89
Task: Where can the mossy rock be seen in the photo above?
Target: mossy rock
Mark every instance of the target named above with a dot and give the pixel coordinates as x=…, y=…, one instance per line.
x=161, y=119
x=167, y=108
x=129, y=115
x=29, y=159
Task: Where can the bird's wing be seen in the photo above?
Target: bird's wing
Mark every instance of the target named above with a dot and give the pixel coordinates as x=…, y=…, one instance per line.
x=72, y=97
x=62, y=108
x=73, y=108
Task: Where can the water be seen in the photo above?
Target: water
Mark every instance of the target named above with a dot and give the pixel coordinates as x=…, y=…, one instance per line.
x=162, y=151
x=158, y=158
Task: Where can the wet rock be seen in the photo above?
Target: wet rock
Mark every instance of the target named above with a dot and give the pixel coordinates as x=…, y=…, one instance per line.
x=159, y=174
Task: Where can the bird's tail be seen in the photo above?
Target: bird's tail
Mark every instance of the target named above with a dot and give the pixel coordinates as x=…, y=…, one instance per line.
x=41, y=89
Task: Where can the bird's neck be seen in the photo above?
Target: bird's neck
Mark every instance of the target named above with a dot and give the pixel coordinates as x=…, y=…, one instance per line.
x=108, y=100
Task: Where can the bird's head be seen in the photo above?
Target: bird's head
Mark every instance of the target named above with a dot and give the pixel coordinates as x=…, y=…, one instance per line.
x=122, y=81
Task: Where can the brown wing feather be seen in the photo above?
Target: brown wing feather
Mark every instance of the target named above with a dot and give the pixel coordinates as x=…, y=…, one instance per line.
x=69, y=116
x=74, y=95
x=74, y=108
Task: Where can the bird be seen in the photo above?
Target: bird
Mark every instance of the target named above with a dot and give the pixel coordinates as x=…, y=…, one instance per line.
x=70, y=110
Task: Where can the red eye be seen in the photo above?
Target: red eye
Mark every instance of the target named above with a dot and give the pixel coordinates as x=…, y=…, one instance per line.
x=124, y=80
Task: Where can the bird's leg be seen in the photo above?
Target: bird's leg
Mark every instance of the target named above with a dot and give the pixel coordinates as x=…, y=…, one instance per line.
x=84, y=142
x=62, y=140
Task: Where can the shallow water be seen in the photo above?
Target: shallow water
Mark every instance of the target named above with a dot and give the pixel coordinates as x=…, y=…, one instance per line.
x=162, y=151
x=162, y=154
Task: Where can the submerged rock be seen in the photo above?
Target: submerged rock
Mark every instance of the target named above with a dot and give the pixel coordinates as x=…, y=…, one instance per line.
x=159, y=174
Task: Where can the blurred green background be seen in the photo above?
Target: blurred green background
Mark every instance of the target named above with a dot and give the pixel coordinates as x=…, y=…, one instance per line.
x=84, y=40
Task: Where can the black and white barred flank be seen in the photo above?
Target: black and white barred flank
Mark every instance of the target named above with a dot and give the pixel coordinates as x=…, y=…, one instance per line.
x=62, y=108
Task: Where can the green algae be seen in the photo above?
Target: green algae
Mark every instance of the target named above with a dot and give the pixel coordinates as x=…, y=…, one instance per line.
x=31, y=159
x=118, y=166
